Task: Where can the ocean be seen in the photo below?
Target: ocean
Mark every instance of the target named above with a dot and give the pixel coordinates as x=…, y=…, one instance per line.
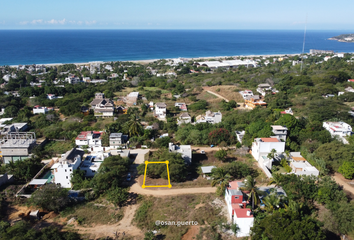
x=76, y=46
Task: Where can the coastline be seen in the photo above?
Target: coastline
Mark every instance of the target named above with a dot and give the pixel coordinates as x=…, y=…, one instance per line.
x=147, y=61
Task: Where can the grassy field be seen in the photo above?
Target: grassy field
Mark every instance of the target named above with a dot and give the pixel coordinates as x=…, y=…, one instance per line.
x=179, y=208
x=228, y=92
x=206, y=96
x=58, y=147
x=155, y=89
x=89, y=214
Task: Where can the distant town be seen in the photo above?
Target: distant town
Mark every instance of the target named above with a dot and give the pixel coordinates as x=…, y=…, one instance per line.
x=249, y=140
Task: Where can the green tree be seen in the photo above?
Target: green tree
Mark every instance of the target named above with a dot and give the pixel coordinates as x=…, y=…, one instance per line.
x=272, y=202
x=221, y=155
x=347, y=169
x=134, y=126
x=51, y=197
x=149, y=236
x=220, y=177
x=272, y=153
x=250, y=185
x=286, y=225
x=238, y=170
x=118, y=196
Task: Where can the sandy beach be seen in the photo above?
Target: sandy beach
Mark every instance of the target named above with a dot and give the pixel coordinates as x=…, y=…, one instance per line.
x=153, y=60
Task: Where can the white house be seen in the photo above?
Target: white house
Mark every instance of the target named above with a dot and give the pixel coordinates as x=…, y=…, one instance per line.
x=209, y=117
x=160, y=110
x=263, y=88
x=108, y=67
x=51, y=96
x=184, y=150
x=280, y=131
x=117, y=139
x=246, y=93
x=236, y=202
x=184, y=118
x=86, y=79
x=263, y=146
x=300, y=166
x=89, y=138
x=64, y=169
x=91, y=164
x=38, y=109
x=181, y=106
x=72, y=79
x=103, y=107
x=340, y=129
x=72, y=160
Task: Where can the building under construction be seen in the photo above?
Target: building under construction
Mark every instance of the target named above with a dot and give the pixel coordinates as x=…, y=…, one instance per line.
x=17, y=146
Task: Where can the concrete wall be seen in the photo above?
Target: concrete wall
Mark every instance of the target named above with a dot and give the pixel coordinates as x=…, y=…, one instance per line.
x=244, y=224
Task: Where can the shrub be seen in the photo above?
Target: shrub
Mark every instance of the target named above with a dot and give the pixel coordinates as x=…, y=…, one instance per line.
x=285, y=164
x=218, y=135
x=347, y=169
x=221, y=155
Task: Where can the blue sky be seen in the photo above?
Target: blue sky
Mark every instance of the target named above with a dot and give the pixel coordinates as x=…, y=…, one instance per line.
x=182, y=14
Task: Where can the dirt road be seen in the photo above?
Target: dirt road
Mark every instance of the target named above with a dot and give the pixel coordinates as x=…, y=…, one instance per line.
x=240, y=105
x=170, y=191
x=218, y=95
x=340, y=180
x=124, y=225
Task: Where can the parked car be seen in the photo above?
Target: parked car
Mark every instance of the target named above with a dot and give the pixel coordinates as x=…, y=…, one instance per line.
x=129, y=177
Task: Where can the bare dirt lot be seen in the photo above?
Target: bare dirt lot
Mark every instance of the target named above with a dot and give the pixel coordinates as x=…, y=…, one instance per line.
x=226, y=92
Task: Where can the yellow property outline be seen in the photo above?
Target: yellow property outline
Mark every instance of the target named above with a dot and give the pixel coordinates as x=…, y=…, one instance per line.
x=168, y=175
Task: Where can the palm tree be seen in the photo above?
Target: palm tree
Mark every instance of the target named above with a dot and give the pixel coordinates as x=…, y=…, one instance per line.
x=220, y=177
x=134, y=126
x=287, y=154
x=271, y=202
x=272, y=153
x=293, y=207
x=275, y=179
x=250, y=185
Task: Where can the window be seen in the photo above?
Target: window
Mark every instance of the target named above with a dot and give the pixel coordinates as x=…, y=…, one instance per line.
x=66, y=177
x=236, y=197
x=70, y=170
x=65, y=170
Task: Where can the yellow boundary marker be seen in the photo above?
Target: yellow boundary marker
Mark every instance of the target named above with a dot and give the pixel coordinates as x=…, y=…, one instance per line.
x=168, y=175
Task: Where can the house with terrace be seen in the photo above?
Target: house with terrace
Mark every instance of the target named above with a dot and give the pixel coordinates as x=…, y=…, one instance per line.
x=246, y=93
x=341, y=130
x=254, y=101
x=209, y=117
x=280, y=132
x=184, y=118
x=103, y=107
x=160, y=110
x=261, y=147
x=239, y=214
x=184, y=150
x=300, y=166
x=89, y=138
x=181, y=106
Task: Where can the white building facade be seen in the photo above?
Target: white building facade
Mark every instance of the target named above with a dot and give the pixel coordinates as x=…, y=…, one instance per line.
x=263, y=146
x=160, y=110
x=89, y=138
x=338, y=129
